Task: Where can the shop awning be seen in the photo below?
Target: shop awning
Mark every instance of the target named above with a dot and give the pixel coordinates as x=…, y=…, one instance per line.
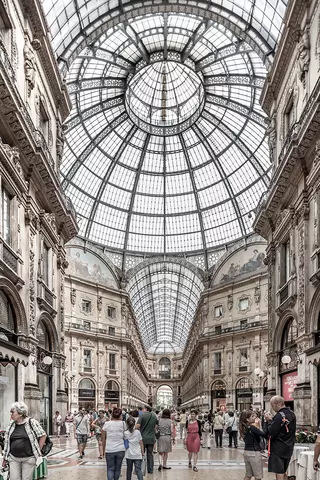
x=11, y=353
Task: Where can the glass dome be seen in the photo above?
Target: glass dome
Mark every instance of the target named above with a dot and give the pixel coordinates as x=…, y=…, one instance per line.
x=165, y=146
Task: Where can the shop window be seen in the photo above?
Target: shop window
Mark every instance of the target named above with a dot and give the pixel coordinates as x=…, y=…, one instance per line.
x=111, y=313
x=112, y=331
x=218, y=311
x=6, y=201
x=86, y=306
x=243, y=304
x=112, y=361
x=217, y=363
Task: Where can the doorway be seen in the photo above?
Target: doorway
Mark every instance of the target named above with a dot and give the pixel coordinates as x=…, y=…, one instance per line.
x=164, y=397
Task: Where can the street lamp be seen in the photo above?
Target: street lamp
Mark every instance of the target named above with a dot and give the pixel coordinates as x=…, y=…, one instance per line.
x=285, y=360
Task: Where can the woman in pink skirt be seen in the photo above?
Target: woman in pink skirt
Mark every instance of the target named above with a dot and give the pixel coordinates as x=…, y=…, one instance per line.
x=193, y=439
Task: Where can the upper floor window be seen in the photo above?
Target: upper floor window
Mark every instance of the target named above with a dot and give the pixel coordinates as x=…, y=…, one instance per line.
x=111, y=312
x=6, y=215
x=112, y=361
x=285, y=262
x=289, y=335
x=45, y=263
x=217, y=362
x=87, y=359
x=218, y=330
x=218, y=311
x=165, y=368
x=243, y=304
x=244, y=323
x=112, y=331
x=44, y=122
x=243, y=360
x=289, y=116
x=86, y=306
x=87, y=325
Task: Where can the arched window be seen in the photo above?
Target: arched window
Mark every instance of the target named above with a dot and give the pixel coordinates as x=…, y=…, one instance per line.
x=43, y=337
x=111, y=392
x=244, y=383
x=289, y=334
x=317, y=332
x=112, y=385
x=7, y=319
x=165, y=368
x=86, y=384
x=87, y=393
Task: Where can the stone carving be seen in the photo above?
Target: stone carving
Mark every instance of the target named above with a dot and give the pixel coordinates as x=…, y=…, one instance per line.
x=271, y=132
x=304, y=55
x=59, y=143
x=51, y=219
x=257, y=294
x=89, y=267
x=62, y=307
x=252, y=265
x=32, y=312
x=301, y=295
x=29, y=65
x=73, y=296
x=317, y=156
x=13, y=156
x=230, y=302
x=99, y=303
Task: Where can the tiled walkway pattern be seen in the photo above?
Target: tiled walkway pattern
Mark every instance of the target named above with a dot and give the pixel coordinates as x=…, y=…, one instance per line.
x=213, y=464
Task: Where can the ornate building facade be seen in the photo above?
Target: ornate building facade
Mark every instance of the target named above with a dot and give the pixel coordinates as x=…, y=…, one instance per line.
x=36, y=217
x=106, y=360
x=225, y=358
x=288, y=216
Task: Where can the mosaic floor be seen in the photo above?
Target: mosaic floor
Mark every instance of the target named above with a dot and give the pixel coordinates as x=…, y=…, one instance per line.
x=212, y=463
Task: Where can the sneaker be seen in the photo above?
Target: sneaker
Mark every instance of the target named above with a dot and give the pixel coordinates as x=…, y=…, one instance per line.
x=80, y=457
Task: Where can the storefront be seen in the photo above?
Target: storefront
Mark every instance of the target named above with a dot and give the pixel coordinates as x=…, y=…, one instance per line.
x=244, y=394
x=87, y=394
x=111, y=394
x=288, y=383
x=218, y=396
x=44, y=376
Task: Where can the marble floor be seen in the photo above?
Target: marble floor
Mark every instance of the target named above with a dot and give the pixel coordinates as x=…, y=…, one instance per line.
x=215, y=464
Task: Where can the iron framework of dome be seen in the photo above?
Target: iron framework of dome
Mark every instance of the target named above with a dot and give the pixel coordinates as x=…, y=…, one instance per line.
x=165, y=146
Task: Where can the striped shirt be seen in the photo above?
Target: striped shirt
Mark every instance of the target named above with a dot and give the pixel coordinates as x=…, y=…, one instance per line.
x=33, y=435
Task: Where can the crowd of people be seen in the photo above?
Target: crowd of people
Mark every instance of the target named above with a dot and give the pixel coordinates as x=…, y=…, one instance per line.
x=138, y=434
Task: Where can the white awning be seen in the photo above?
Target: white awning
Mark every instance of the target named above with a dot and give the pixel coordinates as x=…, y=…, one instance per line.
x=13, y=355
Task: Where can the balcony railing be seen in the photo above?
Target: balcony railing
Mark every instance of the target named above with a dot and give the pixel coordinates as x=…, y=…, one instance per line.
x=235, y=329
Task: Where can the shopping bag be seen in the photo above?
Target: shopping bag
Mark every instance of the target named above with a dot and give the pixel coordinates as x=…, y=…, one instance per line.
x=144, y=465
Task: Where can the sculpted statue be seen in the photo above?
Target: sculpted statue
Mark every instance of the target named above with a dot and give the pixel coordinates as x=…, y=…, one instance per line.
x=304, y=54
x=29, y=65
x=272, y=136
x=59, y=143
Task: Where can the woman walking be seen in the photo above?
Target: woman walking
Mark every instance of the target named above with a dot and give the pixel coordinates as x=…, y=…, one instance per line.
x=113, y=434
x=218, y=424
x=135, y=451
x=252, y=448
x=68, y=420
x=98, y=424
x=57, y=422
x=232, y=429
x=24, y=440
x=193, y=439
x=165, y=440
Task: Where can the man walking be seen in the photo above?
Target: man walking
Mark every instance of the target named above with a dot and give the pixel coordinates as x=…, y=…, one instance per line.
x=81, y=431
x=147, y=423
x=282, y=432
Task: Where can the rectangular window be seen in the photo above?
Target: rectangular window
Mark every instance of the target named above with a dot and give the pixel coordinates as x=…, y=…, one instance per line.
x=243, y=367
x=285, y=263
x=44, y=122
x=217, y=330
x=87, y=325
x=87, y=360
x=86, y=306
x=244, y=323
x=289, y=116
x=243, y=304
x=45, y=264
x=6, y=216
x=112, y=361
x=217, y=362
x=179, y=390
x=218, y=311
x=111, y=312
x=112, y=331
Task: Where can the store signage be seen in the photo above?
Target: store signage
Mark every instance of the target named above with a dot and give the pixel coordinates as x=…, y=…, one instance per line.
x=289, y=381
x=87, y=393
x=111, y=394
x=244, y=392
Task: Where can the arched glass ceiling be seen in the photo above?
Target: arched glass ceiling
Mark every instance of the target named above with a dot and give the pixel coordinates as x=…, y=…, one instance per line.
x=174, y=178
x=165, y=296
x=74, y=23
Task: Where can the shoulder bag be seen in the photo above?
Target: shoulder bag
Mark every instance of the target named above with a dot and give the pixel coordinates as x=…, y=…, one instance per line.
x=125, y=440
x=46, y=449
x=229, y=429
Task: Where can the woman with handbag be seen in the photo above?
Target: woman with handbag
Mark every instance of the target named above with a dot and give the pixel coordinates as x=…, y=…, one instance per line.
x=218, y=424
x=135, y=449
x=166, y=437
x=232, y=429
x=24, y=440
x=113, y=434
x=98, y=424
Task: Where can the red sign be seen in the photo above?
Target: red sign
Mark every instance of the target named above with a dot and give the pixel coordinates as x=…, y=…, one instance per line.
x=289, y=381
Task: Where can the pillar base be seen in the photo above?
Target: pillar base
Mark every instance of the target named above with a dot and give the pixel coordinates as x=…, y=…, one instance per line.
x=302, y=404
x=32, y=396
